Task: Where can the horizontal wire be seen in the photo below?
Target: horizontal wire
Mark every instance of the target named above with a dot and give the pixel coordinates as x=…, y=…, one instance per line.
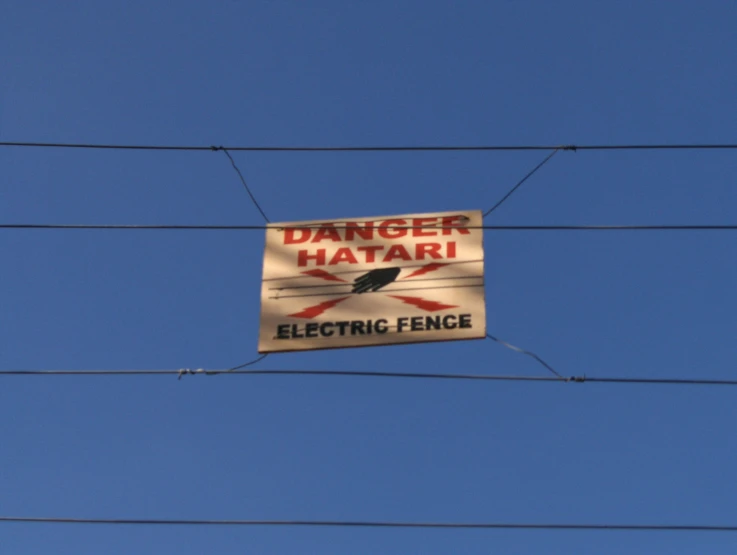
x=303, y=275
x=375, y=374
x=398, y=148
x=428, y=288
x=349, y=284
x=377, y=524
x=564, y=227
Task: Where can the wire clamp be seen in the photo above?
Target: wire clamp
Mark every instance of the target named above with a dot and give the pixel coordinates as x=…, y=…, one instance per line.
x=577, y=379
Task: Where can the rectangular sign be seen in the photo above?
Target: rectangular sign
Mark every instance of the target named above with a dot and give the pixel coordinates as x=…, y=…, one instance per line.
x=373, y=281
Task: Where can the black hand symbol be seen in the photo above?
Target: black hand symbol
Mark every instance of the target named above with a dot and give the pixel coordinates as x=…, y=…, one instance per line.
x=374, y=280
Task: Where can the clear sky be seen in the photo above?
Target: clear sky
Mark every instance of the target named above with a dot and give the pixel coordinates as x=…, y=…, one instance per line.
x=657, y=304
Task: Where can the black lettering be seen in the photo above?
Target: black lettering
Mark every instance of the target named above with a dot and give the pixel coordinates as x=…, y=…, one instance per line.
x=282, y=331
x=416, y=323
x=341, y=327
x=324, y=331
x=464, y=321
x=449, y=322
x=311, y=329
x=432, y=322
x=380, y=326
x=357, y=327
x=401, y=323
x=295, y=332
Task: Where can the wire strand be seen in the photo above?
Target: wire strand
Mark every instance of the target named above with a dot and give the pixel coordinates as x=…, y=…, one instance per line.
x=376, y=524
x=564, y=227
x=243, y=180
x=524, y=352
x=377, y=374
x=520, y=182
x=398, y=148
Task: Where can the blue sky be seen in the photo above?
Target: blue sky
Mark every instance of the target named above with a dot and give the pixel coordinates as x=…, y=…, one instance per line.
x=658, y=304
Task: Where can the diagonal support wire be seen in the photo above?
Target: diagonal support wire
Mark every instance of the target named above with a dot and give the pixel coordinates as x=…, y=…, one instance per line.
x=243, y=180
x=254, y=361
x=524, y=352
x=525, y=178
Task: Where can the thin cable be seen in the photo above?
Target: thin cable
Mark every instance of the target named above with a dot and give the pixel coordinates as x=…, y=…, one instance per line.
x=243, y=180
x=376, y=524
x=520, y=182
x=375, y=374
x=416, y=148
x=565, y=227
x=329, y=373
x=524, y=352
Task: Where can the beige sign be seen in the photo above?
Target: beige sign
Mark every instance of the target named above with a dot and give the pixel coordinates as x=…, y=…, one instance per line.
x=373, y=281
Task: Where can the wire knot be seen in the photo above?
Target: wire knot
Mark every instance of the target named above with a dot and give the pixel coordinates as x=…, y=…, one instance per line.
x=216, y=148
x=572, y=148
x=185, y=371
x=577, y=379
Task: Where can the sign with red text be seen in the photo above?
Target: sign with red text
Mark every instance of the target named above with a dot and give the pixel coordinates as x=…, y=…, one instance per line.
x=373, y=281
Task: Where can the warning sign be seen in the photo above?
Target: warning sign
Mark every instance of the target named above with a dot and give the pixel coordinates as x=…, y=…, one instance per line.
x=373, y=281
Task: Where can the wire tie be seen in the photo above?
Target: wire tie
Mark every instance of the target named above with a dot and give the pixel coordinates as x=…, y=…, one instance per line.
x=216, y=148
x=572, y=148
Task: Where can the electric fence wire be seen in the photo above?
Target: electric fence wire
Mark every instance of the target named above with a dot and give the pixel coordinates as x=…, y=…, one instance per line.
x=389, y=148
x=376, y=524
x=565, y=227
x=378, y=374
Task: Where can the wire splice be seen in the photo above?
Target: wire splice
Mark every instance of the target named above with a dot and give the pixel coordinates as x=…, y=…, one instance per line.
x=184, y=371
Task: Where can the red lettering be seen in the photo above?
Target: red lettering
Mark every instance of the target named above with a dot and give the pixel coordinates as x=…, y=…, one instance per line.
x=370, y=252
x=343, y=254
x=303, y=257
x=353, y=229
x=328, y=231
x=421, y=222
x=387, y=233
x=456, y=222
x=290, y=239
x=430, y=249
x=397, y=251
x=451, y=248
